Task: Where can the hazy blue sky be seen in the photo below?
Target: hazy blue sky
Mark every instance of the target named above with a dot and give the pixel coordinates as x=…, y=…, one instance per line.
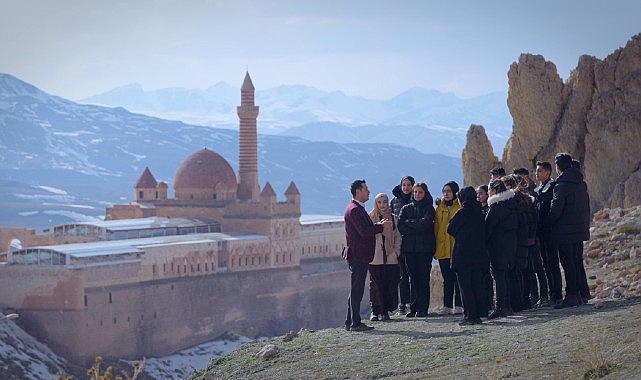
x=375, y=49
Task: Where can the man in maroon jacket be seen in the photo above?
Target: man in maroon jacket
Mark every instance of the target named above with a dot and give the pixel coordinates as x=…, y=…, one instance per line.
x=360, y=236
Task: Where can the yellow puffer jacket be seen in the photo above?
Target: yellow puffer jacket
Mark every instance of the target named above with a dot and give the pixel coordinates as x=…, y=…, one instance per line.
x=444, y=241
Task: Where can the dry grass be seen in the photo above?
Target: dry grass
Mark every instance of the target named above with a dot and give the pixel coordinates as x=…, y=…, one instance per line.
x=554, y=344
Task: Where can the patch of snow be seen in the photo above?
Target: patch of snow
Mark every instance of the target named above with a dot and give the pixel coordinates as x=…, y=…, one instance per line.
x=28, y=213
x=52, y=190
x=181, y=364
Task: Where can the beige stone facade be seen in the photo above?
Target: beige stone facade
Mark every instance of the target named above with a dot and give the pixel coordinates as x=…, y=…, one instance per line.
x=95, y=290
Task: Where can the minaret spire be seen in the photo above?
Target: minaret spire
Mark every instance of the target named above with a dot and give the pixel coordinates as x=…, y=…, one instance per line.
x=247, y=143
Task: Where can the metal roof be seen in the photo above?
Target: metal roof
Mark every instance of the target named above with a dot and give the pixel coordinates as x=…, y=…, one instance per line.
x=116, y=247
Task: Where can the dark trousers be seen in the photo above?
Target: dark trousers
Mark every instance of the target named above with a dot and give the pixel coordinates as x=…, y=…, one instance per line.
x=358, y=275
x=568, y=254
x=489, y=288
x=472, y=283
x=501, y=283
x=451, y=291
x=403, y=283
x=419, y=266
x=584, y=288
x=537, y=276
x=515, y=285
x=550, y=256
x=383, y=285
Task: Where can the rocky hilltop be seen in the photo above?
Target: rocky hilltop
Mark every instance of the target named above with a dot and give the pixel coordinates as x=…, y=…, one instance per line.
x=595, y=115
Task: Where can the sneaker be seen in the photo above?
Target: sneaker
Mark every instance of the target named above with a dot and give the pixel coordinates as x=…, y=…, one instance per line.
x=498, y=313
x=542, y=302
x=384, y=317
x=552, y=303
x=569, y=301
x=457, y=310
x=374, y=317
x=401, y=311
x=411, y=314
x=361, y=327
x=444, y=310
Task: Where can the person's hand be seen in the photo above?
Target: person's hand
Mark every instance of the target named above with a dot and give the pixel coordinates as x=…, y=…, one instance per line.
x=387, y=224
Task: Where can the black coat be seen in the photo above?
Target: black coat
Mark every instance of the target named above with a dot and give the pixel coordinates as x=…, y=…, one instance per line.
x=416, y=225
x=400, y=199
x=544, y=193
x=527, y=226
x=569, y=215
x=467, y=227
x=501, y=228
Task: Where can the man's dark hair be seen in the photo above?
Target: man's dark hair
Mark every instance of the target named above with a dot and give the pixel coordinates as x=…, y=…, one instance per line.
x=545, y=165
x=510, y=181
x=497, y=185
x=498, y=171
x=563, y=161
x=357, y=184
x=521, y=171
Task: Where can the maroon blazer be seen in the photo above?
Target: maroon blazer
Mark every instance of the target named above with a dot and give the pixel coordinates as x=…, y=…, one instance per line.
x=360, y=233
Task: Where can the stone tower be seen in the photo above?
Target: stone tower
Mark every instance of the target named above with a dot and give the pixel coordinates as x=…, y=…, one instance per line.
x=247, y=144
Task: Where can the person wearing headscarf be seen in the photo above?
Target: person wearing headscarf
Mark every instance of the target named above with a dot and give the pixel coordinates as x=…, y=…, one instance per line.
x=384, y=269
x=416, y=224
x=402, y=195
x=447, y=207
x=469, y=259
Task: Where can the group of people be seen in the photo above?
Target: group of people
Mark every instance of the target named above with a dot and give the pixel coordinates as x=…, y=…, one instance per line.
x=499, y=246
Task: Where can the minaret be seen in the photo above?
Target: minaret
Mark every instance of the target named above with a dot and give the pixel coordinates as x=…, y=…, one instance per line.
x=247, y=143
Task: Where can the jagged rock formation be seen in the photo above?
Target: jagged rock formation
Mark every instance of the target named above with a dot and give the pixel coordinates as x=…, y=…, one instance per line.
x=613, y=255
x=595, y=116
x=478, y=157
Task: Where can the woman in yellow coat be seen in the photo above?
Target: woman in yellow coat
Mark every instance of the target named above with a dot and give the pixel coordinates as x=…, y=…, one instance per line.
x=447, y=207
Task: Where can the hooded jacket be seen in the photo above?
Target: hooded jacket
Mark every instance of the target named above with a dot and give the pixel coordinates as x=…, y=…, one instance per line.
x=569, y=216
x=416, y=224
x=467, y=227
x=444, y=241
x=501, y=228
x=400, y=198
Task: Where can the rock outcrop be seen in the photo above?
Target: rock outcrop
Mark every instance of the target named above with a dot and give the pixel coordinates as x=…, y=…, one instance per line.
x=478, y=157
x=595, y=116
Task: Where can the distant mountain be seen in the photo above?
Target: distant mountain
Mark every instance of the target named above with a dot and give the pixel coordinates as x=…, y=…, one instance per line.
x=61, y=161
x=416, y=118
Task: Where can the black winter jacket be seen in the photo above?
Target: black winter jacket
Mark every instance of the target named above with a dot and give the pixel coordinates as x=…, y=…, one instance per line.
x=400, y=199
x=501, y=228
x=569, y=214
x=527, y=227
x=416, y=225
x=467, y=227
x=542, y=202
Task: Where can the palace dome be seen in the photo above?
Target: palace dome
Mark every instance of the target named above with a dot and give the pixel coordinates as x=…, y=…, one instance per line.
x=205, y=175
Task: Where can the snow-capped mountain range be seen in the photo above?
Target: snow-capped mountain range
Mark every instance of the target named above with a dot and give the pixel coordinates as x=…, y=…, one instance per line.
x=62, y=161
x=415, y=118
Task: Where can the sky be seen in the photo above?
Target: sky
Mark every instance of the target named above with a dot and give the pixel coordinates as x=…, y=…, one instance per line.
x=374, y=49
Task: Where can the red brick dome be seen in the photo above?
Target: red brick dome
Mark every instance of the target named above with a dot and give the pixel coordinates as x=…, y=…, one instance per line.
x=205, y=175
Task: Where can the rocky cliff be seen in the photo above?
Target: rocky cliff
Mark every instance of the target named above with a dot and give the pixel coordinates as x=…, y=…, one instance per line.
x=595, y=115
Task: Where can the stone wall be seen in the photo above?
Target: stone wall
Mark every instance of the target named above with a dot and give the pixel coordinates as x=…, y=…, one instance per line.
x=157, y=318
